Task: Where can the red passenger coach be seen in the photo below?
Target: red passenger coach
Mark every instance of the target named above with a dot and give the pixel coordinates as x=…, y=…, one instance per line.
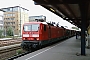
x=37, y=34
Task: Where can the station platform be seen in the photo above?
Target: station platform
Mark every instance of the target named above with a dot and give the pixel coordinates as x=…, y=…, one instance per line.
x=69, y=49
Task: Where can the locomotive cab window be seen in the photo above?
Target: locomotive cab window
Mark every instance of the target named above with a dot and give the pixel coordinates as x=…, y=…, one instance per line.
x=44, y=27
x=35, y=27
x=27, y=28
x=31, y=27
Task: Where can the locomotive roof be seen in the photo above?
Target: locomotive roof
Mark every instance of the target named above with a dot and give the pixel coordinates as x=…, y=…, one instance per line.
x=36, y=22
x=47, y=23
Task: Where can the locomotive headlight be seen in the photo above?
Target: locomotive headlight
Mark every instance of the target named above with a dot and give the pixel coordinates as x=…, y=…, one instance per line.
x=37, y=38
x=35, y=35
x=23, y=38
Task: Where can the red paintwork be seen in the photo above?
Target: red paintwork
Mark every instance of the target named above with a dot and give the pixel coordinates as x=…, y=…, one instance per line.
x=53, y=32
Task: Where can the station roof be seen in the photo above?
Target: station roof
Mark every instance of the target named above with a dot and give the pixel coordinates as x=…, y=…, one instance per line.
x=69, y=10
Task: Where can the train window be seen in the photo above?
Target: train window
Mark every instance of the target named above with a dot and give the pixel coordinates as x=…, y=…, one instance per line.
x=44, y=27
x=35, y=27
x=31, y=27
x=27, y=28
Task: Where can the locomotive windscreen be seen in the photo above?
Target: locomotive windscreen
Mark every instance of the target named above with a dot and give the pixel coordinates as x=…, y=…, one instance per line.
x=31, y=27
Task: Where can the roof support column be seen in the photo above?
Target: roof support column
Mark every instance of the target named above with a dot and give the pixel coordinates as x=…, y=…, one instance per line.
x=83, y=10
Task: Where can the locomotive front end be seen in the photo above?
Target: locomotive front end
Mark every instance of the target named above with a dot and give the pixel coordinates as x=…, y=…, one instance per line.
x=30, y=36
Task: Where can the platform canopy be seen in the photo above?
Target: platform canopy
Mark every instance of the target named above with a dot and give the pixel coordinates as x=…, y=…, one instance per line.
x=70, y=10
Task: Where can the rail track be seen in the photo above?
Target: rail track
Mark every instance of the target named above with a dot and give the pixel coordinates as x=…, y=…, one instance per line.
x=9, y=49
x=7, y=52
x=9, y=42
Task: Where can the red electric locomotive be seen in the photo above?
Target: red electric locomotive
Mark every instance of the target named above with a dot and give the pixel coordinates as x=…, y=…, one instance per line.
x=37, y=34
